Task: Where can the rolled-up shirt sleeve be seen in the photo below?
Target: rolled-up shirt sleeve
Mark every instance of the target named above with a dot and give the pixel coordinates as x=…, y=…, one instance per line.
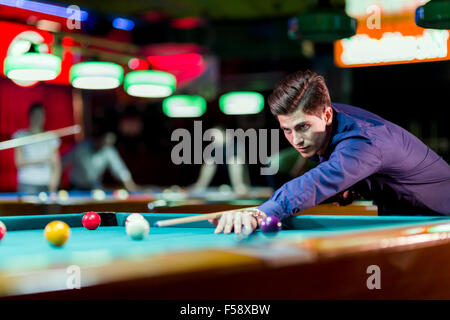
x=352, y=160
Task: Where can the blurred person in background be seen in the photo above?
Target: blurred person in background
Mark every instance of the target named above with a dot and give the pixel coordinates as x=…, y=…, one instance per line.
x=228, y=167
x=38, y=164
x=90, y=159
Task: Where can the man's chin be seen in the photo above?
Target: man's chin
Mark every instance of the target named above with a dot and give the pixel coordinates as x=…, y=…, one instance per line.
x=307, y=154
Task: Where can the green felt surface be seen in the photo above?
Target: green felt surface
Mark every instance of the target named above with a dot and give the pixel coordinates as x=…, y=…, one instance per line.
x=28, y=248
x=24, y=246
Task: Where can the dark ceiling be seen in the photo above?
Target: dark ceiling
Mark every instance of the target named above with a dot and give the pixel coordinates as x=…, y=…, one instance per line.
x=246, y=29
x=213, y=9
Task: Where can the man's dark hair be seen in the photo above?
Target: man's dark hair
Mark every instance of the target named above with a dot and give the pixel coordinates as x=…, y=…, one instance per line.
x=306, y=90
x=34, y=107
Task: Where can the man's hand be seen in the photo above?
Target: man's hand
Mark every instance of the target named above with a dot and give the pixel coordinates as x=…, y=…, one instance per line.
x=245, y=221
x=130, y=185
x=241, y=190
x=345, y=198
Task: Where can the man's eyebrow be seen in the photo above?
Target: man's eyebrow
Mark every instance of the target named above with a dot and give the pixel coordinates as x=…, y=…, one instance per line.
x=296, y=125
x=300, y=124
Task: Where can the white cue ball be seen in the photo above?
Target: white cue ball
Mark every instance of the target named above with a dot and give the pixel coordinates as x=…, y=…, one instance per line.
x=43, y=196
x=122, y=194
x=98, y=194
x=224, y=188
x=134, y=216
x=137, y=229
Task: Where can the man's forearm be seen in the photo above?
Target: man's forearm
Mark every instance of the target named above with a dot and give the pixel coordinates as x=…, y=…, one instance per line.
x=130, y=185
x=56, y=172
x=207, y=172
x=55, y=178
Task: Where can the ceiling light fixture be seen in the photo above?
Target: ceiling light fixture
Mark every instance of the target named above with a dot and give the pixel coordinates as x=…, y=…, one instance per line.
x=241, y=102
x=184, y=106
x=96, y=75
x=32, y=66
x=150, y=84
x=434, y=14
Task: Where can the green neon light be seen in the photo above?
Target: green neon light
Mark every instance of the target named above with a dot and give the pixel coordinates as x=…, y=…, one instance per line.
x=240, y=103
x=32, y=66
x=150, y=83
x=184, y=106
x=96, y=75
x=434, y=14
x=323, y=25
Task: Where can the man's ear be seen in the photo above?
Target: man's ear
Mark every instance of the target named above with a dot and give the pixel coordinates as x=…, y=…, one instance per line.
x=328, y=113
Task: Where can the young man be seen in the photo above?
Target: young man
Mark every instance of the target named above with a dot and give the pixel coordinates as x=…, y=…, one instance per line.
x=90, y=160
x=357, y=150
x=38, y=164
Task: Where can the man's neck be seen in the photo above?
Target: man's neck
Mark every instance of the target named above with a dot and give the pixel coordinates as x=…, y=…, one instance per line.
x=329, y=130
x=35, y=129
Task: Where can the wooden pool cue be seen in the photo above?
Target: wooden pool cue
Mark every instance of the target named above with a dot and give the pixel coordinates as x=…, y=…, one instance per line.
x=200, y=217
x=38, y=137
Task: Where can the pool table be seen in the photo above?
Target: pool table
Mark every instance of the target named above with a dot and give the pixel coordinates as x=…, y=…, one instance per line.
x=313, y=257
x=158, y=200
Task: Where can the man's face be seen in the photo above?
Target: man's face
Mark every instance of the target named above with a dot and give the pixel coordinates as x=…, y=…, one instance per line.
x=309, y=134
x=109, y=139
x=37, y=118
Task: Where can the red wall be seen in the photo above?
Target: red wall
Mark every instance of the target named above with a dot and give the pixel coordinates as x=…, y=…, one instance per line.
x=14, y=104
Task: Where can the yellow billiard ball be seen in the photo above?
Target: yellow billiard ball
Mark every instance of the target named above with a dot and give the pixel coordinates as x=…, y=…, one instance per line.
x=63, y=195
x=57, y=233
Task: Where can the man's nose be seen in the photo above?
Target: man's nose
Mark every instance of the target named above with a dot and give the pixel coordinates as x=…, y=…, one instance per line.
x=298, y=139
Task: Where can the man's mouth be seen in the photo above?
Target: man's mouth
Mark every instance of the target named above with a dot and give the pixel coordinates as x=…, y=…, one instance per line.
x=303, y=149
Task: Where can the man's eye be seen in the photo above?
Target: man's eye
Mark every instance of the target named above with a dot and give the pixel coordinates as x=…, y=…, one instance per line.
x=304, y=127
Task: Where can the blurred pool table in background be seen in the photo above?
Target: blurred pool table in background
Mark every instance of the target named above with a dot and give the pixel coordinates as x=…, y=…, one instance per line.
x=147, y=200
x=313, y=257
x=158, y=200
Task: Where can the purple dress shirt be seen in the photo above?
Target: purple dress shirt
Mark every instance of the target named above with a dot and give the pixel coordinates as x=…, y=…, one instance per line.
x=378, y=159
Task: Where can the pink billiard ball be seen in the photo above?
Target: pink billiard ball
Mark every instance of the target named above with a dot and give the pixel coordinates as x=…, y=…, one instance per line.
x=2, y=230
x=91, y=220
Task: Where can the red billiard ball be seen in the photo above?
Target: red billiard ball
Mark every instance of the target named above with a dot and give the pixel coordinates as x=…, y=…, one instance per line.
x=270, y=225
x=120, y=194
x=2, y=230
x=91, y=220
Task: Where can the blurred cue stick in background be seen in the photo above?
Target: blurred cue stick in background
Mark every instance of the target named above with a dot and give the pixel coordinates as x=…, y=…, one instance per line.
x=43, y=136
